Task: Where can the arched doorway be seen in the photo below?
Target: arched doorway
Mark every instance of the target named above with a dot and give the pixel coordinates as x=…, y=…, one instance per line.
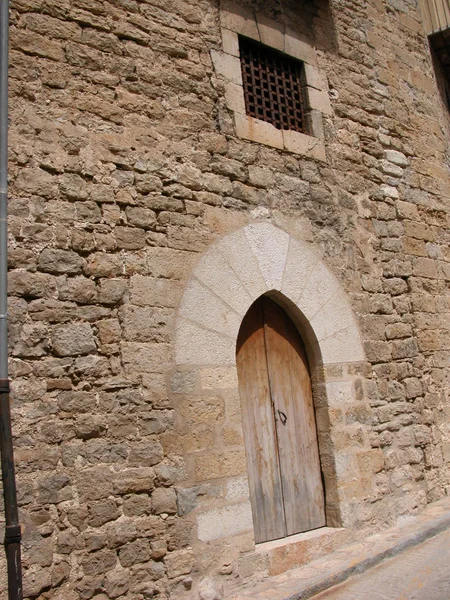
x=286, y=489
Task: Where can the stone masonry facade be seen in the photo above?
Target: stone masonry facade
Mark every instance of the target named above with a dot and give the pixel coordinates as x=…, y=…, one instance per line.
x=147, y=212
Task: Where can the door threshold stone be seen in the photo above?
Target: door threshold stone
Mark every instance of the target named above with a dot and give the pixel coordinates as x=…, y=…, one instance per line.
x=307, y=581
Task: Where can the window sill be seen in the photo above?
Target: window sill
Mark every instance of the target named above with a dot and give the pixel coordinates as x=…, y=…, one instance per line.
x=254, y=130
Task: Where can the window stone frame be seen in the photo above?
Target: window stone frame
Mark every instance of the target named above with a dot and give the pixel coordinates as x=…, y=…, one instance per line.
x=236, y=20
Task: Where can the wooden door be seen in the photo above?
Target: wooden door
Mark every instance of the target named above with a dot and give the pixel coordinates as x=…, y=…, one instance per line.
x=286, y=489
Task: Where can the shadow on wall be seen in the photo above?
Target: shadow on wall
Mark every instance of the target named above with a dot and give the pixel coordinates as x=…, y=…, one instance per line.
x=311, y=19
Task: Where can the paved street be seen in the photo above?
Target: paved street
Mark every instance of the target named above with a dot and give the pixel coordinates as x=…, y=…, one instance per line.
x=421, y=573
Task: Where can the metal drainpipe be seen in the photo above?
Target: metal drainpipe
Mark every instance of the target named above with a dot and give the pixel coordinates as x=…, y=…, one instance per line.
x=12, y=526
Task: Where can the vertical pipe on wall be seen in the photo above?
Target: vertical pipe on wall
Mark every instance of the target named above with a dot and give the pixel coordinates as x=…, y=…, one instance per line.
x=12, y=526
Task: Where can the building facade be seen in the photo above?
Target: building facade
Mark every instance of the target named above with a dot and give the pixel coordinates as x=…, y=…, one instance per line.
x=229, y=271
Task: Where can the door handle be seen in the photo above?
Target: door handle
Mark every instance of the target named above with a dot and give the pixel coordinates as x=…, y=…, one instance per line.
x=283, y=417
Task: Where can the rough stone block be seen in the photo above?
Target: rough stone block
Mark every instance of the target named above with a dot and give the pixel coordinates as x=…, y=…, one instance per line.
x=60, y=261
x=152, y=291
x=145, y=357
x=179, y=562
x=164, y=500
x=72, y=340
x=134, y=553
x=94, y=484
x=133, y=481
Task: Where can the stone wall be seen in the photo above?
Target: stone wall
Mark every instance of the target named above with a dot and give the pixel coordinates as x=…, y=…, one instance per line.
x=125, y=169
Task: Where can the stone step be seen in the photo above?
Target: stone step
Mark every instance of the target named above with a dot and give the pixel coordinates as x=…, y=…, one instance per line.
x=320, y=574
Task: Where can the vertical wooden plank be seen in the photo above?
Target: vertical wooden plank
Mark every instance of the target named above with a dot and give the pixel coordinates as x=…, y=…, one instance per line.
x=259, y=429
x=290, y=387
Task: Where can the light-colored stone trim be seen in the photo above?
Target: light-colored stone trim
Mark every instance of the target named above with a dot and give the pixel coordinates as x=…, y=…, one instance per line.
x=258, y=259
x=236, y=20
x=254, y=260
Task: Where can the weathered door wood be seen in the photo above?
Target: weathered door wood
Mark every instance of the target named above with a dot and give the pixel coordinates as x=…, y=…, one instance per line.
x=279, y=425
x=259, y=430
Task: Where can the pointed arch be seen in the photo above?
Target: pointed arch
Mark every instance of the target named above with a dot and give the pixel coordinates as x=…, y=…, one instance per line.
x=254, y=260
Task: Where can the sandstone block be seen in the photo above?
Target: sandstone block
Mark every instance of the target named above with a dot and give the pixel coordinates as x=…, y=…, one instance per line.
x=204, y=409
x=35, y=580
x=102, y=512
x=214, y=466
x=72, y=340
x=239, y=19
x=183, y=382
x=137, y=505
x=404, y=348
x=147, y=453
x=224, y=522
x=164, y=500
x=60, y=261
x=144, y=357
x=255, y=130
x=179, y=563
x=138, y=551
x=112, y=291
x=298, y=48
x=121, y=532
x=219, y=378
x=130, y=238
x=104, y=265
x=98, y=563
x=94, y=484
x=396, y=158
x=37, y=181
x=117, y=583
x=132, y=481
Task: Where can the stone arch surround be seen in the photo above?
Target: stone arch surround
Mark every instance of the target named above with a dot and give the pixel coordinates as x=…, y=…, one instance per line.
x=254, y=260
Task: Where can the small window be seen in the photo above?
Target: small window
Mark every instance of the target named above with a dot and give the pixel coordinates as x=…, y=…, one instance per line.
x=440, y=48
x=436, y=22
x=273, y=85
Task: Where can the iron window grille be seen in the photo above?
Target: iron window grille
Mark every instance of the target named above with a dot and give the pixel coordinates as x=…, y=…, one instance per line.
x=273, y=85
